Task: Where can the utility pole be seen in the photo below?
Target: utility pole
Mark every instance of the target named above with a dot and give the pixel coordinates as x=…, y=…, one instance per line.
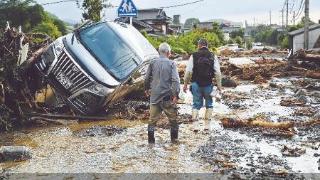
x=294, y=18
x=306, y=25
x=287, y=13
x=282, y=15
x=270, y=17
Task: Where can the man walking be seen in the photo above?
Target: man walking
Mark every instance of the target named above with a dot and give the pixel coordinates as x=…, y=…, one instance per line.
x=201, y=69
x=162, y=83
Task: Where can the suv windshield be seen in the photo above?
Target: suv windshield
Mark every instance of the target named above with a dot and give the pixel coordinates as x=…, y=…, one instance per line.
x=110, y=50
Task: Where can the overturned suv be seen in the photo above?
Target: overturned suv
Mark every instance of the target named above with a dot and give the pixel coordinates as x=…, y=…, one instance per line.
x=95, y=63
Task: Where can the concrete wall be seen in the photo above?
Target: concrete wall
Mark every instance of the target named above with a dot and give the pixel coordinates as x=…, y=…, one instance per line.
x=298, y=40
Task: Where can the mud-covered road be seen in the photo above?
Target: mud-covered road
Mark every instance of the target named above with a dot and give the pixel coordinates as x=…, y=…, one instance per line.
x=117, y=146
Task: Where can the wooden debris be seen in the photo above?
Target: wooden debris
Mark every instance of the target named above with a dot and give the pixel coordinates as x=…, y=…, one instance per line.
x=234, y=123
x=292, y=102
x=292, y=151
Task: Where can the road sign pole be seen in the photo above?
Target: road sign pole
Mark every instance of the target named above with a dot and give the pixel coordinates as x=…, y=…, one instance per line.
x=131, y=21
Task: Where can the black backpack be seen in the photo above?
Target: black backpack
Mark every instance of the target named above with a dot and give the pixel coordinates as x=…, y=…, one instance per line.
x=203, y=71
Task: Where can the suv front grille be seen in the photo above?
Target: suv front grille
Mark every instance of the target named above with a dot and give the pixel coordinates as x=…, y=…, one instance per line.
x=69, y=75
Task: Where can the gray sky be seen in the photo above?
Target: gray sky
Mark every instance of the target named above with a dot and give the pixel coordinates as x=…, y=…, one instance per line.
x=234, y=10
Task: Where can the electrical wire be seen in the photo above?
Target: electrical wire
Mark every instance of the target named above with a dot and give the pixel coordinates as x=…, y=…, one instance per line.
x=300, y=10
x=113, y=6
x=58, y=2
x=179, y=5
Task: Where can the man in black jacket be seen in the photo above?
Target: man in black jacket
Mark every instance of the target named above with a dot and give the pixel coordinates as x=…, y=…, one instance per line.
x=202, y=67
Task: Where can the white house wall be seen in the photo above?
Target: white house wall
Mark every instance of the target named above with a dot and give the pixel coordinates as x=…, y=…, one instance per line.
x=298, y=40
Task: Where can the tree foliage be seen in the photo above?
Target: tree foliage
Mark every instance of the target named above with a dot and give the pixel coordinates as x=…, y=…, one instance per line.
x=92, y=9
x=31, y=17
x=187, y=43
x=48, y=28
x=239, y=33
x=191, y=22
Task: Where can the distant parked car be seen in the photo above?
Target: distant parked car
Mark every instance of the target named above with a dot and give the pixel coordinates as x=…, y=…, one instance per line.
x=232, y=47
x=89, y=65
x=257, y=46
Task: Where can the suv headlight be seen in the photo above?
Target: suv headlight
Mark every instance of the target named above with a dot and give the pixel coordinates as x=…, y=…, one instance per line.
x=58, y=47
x=99, y=89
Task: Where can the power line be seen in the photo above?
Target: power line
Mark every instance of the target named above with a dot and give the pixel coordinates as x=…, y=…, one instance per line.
x=58, y=2
x=113, y=6
x=179, y=5
x=300, y=10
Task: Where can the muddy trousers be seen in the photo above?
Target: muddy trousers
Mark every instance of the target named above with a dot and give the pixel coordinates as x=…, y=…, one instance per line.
x=171, y=112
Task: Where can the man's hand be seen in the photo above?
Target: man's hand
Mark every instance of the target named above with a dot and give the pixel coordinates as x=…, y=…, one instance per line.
x=175, y=100
x=185, y=88
x=147, y=93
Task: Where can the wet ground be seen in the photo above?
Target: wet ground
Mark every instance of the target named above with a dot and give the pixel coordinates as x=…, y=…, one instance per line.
x=121, y=145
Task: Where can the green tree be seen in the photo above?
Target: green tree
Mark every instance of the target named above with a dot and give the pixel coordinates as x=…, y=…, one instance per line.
x=239, y=41
x=239, y=32
x=31, y=16
x=231, y=41
x=48, y=28
x=249, y=43
x=187, y=43
x=93, y=9
x=217, y=30
x=191, y=22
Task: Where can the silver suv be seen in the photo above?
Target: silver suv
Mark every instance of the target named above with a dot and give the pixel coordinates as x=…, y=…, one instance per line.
x=96, y=64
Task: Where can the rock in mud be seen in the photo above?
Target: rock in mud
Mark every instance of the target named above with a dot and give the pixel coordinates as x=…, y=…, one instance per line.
x=317, y=115
x=14, y=153
x=301, y=92
x=99, y=131
x=292, y=151
x=229, y=82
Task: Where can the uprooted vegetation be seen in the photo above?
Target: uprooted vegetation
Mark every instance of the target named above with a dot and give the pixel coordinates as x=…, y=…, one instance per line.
x=18, y=81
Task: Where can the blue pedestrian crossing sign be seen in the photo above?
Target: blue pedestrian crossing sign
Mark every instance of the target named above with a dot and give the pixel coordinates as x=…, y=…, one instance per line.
x=127, y=9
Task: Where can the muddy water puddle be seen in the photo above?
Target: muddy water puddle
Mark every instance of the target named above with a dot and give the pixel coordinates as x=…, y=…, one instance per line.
x=121, y=145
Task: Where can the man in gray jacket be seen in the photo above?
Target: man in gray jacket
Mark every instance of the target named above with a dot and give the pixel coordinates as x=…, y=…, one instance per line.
x=162, y=83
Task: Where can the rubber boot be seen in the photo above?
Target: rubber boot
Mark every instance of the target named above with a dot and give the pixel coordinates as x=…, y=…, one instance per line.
x=195, y=117
x=207, y=119
x=151, y=139
x=174, y=133
x=195, y=114
x=208, y=114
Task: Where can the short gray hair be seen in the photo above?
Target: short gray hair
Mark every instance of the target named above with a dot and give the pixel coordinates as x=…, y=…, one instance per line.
x=164, y=48
x=203, y=42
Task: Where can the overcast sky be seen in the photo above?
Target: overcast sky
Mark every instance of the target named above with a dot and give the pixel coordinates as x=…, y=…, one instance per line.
x=234, y=10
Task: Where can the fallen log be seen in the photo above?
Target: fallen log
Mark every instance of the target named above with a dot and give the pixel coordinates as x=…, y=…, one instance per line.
x=313, y=74
x=234, y=123
x=292, y=102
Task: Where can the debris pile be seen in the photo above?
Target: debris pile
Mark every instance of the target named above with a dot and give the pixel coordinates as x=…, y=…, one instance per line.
x=14, y=153
x=292, y=151
x=18, y=83
x=130, y=110
x=251, y=53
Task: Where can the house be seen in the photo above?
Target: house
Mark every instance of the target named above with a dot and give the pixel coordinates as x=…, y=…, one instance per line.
x=225, y=25
x=175, y=27
x=296, y=38
x=153, y=21
x=205, y=25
